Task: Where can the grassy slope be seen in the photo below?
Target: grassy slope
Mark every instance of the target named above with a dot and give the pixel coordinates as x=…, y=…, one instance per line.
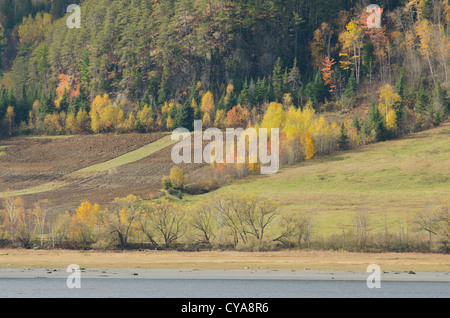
x=390, y=180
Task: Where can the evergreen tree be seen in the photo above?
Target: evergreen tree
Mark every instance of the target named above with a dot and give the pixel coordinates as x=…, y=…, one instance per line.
x=43, y=66
x=163, y=92
x=45, y=105
x=85, y=73
x=356, y=123
x=343, y=142
x=316, y=91
x=400, y=84
x=244, y=98
x=422, y=99
x=3, y=42
x=260, y=90
x=64, y=103
x=352, y=86
x=376, y=123
x=277, y=81
x=438, y=103
x=184, y=117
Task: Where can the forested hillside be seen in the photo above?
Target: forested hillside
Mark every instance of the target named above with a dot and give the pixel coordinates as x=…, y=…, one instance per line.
x=150, y=65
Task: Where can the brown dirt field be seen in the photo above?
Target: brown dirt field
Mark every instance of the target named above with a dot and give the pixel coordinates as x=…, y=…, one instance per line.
x=31, y=162
x=140, y=178
x=215, y=260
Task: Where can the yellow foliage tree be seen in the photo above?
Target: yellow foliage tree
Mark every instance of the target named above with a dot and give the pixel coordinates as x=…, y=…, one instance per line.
x=84, y=221
x=177, y=178
x=9, y=119
x=387, y=99
x=308, y=144
x=206, y=120
x=128, y=125
x=169, y=123
x=55, y=123
x=208, y=103
x=221, y=119
x=104, y=116
x=274, y=117
x=391, y=120
x=33, y=30
x=352, y=43
x=82, y=121
x=145, y=119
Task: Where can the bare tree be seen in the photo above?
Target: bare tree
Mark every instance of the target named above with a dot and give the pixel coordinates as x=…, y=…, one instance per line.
x=428, y=221
x=13, y=206
x=296, y=228
x=246, y=215
x=203, y=221
x=40, y=213
x=362, y=226
x=146, y=225
x=122, y=216
x=168, y=220
x=258, y=214
x=59, y=225
x=26, y=227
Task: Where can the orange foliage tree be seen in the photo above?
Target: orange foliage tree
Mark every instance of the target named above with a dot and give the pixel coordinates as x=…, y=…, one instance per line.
x=327, y=72
x=237, y=117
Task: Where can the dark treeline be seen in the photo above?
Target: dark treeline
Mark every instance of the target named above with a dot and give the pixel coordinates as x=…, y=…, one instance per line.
x=151, y=52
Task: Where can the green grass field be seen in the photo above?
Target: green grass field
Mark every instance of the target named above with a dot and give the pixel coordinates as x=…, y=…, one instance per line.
x=390, y=180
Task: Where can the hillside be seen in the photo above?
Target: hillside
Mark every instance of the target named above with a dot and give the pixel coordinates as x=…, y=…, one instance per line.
x=215, y=55
x=391, y=181
x=88, y=98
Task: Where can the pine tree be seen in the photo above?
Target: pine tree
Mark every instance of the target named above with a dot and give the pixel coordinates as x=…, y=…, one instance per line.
x=343, y=142
x=422, y=99
x=244, y=98
x=316, y=91
x=64, y=103
x=400, y=84
x=352, y=86
x=260, y=90
x=277, y=80
x=163, y=92
x=438, y=103
x=184, y=117
x=85, y=75
x=376, y=123
x=356, y=123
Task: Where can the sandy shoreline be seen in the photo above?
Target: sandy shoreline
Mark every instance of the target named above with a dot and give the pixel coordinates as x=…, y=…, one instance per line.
x=304, y=275
x=266, y=265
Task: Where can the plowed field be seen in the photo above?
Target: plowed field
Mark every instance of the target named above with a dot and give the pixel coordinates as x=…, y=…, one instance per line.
x=95, y=168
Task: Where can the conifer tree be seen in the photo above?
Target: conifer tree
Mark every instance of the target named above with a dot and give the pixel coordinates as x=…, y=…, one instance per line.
x=343, y=141
x=277, y=80
x=184, y=117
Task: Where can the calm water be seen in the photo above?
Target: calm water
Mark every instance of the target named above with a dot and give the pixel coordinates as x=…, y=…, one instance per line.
x=210, y=288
